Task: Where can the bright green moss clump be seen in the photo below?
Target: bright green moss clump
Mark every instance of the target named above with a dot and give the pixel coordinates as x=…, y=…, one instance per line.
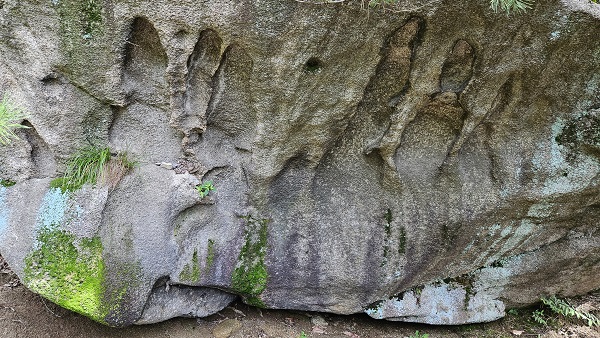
x=68, y=271
x=250, y=276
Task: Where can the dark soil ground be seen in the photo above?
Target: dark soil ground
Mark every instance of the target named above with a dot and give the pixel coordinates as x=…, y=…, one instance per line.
x=25, y=314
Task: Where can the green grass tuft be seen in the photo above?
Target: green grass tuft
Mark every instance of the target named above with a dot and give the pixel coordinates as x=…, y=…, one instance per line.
x=85, y=167
x=10, y=114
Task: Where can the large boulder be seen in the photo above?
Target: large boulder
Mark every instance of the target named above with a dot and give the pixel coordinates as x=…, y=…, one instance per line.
x=437, y=163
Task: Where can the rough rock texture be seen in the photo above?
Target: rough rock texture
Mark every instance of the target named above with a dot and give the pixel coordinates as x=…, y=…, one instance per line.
x=437, y=164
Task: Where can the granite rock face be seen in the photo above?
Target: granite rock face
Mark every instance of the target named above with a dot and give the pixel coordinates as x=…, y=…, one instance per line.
x=436, y=164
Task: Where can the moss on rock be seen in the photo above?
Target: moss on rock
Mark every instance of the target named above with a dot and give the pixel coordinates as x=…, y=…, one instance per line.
x=191, y=272
x=68, y=271
x=250, y=275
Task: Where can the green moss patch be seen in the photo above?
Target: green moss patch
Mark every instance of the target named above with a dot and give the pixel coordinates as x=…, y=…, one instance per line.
x=402, y=241
x=7, y=183
x=80, y=18
x=68, y=271
x=191, y=272
x=210, y=255
x=250, y=275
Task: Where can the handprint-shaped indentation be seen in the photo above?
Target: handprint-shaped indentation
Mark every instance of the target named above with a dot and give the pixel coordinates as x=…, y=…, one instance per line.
x=392, y=74
x=427, y=139
x=230, y=108
x=458, y=68
x=144, y=65
x=201, y=67
x=216, y=91
x=431, y=136
x=389, y=86
x=142, y=126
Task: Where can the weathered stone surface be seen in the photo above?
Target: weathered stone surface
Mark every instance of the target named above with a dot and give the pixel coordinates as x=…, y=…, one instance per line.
x=437, y=164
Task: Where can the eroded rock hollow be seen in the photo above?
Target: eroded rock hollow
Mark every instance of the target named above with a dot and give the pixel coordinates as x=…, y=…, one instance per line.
x=436, y=164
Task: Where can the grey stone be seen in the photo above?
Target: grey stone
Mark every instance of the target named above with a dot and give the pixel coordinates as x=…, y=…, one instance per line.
x=437, y=164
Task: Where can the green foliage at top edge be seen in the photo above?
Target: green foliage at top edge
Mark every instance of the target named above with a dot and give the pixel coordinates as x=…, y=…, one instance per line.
x=508, y=6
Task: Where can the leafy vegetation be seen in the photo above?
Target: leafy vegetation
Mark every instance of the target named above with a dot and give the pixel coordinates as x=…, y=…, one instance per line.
x=91, y=165
x=539, y=317
x=10, y=114
x=417, y=334
x=85, y=166
x=565, y=309
x=7, y=183
x=509, y=6
x=205, y=188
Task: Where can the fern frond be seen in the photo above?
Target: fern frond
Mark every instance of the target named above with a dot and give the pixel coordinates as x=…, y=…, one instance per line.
x=510, y=5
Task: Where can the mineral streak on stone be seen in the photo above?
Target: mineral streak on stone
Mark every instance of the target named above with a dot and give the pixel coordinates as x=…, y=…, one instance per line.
x=424, y=165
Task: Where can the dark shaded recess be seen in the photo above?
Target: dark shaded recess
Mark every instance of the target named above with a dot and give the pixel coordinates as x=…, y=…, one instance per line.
x=231, y=111
x=201, y=65
x=458, y=68
x=313, y=65
x=206, y=54
x=145, y=62
x=51, y=79
x=41, y=156
x=427, y=140
x=116, y=112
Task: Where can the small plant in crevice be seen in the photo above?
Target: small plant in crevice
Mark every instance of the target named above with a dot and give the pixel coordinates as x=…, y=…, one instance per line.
x=91, y=165
x=10, y=114
x=205, y=188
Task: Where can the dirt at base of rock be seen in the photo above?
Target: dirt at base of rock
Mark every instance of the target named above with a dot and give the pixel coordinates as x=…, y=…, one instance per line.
x=25, y=314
